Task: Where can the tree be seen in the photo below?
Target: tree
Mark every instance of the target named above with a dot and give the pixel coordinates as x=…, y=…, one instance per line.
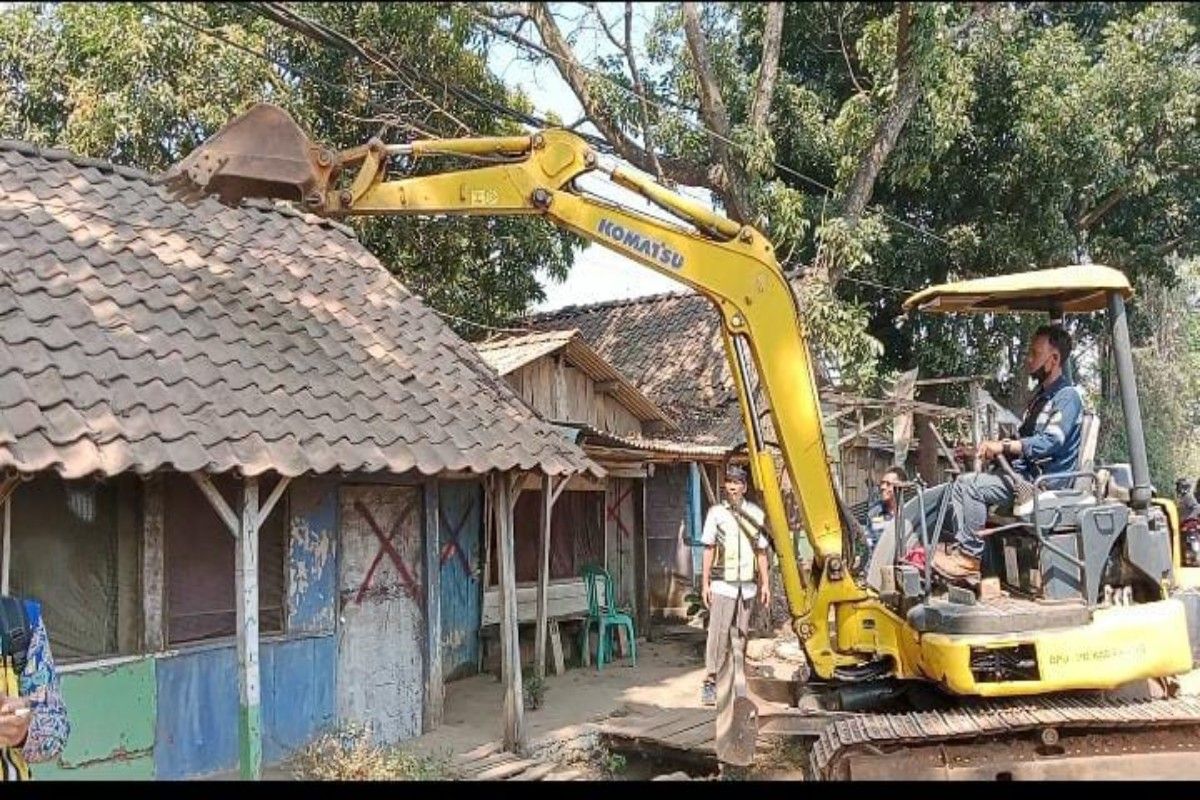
x=1167, y=369
x=960, y=140
x=142, y=85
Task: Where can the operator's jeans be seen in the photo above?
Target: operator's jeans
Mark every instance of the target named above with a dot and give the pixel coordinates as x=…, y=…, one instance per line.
x=970, y=496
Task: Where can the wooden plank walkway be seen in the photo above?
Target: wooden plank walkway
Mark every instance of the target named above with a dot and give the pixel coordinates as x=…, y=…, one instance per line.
x=690, y=731
x=489, y=763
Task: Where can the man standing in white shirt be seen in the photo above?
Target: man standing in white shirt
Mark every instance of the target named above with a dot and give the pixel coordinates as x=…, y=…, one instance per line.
x=734, y=545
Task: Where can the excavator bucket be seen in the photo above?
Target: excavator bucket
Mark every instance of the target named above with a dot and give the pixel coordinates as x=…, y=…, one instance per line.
x=261, y=153
x=737, y=713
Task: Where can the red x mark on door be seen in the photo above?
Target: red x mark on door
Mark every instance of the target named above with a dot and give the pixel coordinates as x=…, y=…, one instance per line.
x=385, y=546
x=453, y=546
x=614, y=511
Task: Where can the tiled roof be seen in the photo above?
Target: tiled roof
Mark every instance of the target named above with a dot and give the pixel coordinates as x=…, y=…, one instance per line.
x=510, y=353
x=137, y=333
x=669, y=346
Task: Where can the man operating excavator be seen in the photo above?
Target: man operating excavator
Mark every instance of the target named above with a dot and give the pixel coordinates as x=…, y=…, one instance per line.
x=1047, y=444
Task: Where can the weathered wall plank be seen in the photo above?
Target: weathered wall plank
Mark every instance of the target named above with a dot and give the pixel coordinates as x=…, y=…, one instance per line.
x=298, y=693
x=381, y=627
x=435, y=689
x=667, y=551
x=154, y=637
x=112, y=712
x=460, y=532
x=196, y=732
x=569, y=395
x=312, y=556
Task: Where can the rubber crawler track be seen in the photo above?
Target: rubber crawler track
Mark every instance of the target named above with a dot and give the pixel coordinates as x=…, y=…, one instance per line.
x=998, y=717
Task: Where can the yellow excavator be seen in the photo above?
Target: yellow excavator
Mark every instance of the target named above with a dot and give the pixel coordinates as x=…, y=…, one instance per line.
x=907, y=679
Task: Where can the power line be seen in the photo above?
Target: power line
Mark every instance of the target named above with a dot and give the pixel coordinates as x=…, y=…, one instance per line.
x=283, y=65
x=405, y=74
x=661, y=106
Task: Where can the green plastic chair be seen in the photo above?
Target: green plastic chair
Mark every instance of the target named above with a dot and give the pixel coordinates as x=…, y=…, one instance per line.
x=606, y=618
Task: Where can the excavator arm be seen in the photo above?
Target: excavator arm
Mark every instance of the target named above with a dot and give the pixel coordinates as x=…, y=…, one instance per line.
x=263, y=153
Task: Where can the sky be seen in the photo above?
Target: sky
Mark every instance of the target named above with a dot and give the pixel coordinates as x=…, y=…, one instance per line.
x=598, y=274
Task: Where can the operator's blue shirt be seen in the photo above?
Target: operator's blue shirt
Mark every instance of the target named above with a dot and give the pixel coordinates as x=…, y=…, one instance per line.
x=1051, y=432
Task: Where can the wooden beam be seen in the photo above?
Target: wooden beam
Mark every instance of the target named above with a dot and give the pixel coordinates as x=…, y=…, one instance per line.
x=514, y=711
x=7, y=486
x=864, y=429
x=946, y=451
x=246, y=579
x=539, y=646
x=489, y=520
x=435, y=688
x=606, y=387
x=558, y=490
x=645, y=599
x=273, y=498
x=218, y=502
x=976, y=421
x=154, y=634
x=708, y=489
x=944, y=381
x=838, y=415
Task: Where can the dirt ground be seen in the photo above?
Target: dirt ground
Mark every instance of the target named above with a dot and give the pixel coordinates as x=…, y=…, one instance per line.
x=668, y=674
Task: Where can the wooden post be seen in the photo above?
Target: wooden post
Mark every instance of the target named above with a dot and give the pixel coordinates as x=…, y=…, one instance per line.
x=7, y=544
x=539, y=647
x=550, y=495
x=976, y=421
x=7, y=486
x=489, y=518
x=434, y=686
x=647, y=612
x=246, y=574
x=514, y=709
x=154, y=634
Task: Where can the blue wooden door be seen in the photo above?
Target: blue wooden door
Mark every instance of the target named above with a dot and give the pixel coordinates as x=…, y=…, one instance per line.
x=460, y=526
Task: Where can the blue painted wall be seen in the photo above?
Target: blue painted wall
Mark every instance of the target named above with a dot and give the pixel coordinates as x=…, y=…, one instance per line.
x=695, y=526
x=197, y=727
x=298, y=693
x=312, y=556
x=459, y=531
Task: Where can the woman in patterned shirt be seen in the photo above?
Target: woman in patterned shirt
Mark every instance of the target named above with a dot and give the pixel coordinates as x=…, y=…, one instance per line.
x=33, y=718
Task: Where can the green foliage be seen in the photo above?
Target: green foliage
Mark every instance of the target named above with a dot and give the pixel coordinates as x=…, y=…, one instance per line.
x=695, y=605
x=614, y=763
x=534, y=690
x=120, y=82
x=1167, y=369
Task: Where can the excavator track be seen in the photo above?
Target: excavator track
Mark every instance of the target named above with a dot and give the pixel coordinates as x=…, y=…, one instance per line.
x=1065, y=736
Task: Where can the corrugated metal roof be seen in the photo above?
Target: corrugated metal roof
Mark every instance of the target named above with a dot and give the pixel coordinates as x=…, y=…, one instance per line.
x=510, y=353
x=137, y=333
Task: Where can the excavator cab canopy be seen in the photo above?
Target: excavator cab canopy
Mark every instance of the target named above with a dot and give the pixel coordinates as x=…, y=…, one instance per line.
x=1063, y=290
